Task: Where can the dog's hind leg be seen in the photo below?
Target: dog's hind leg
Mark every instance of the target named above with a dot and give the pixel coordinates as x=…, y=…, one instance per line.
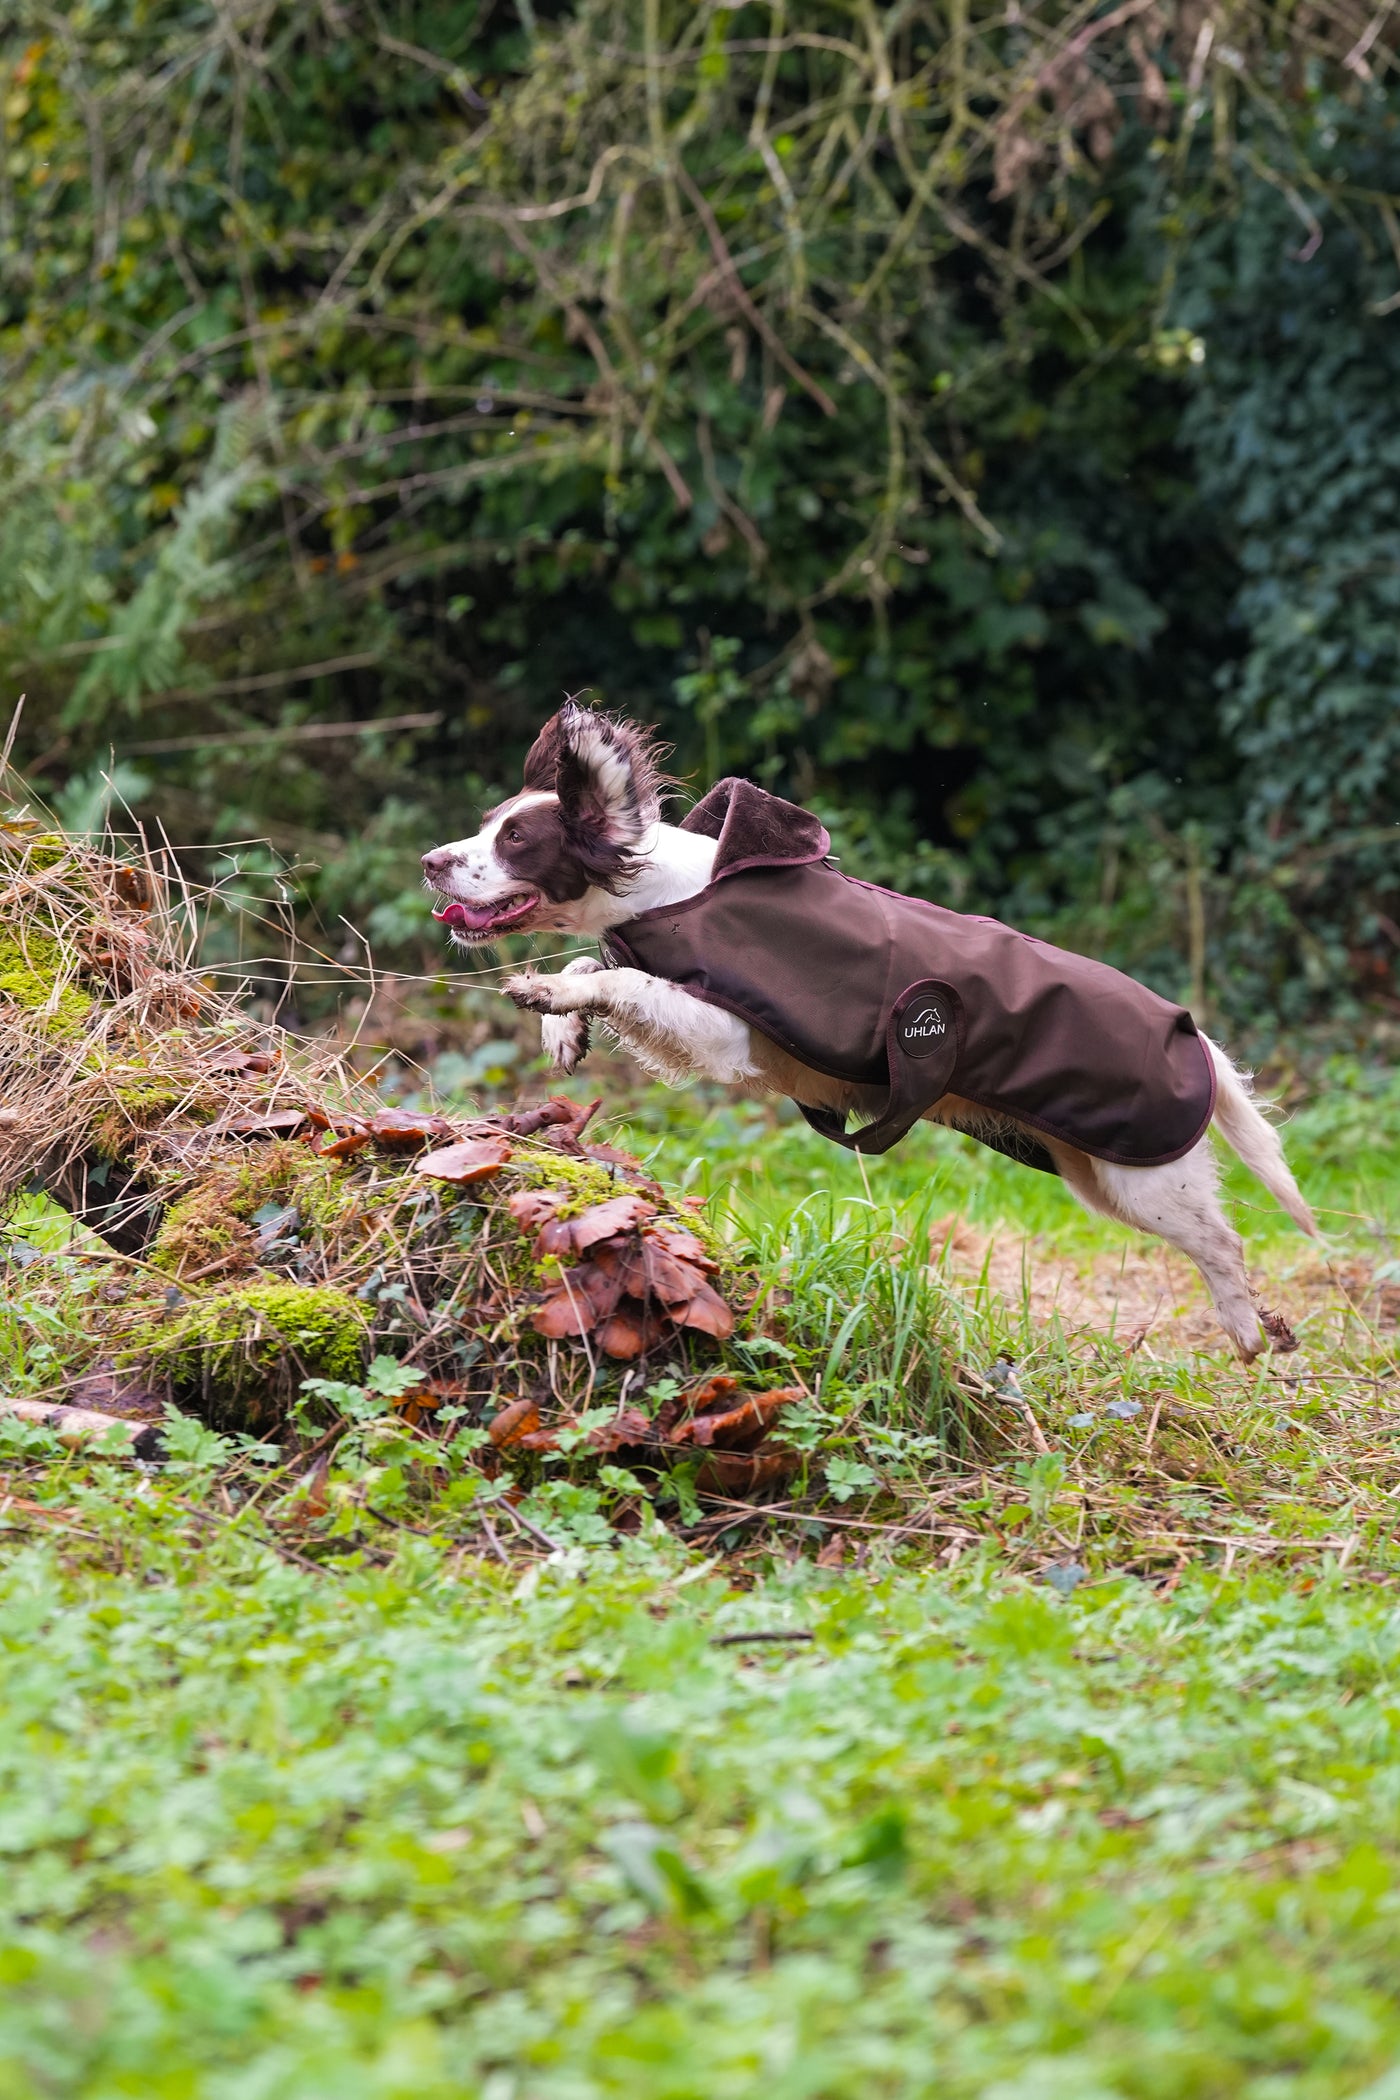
x=1181, y=1204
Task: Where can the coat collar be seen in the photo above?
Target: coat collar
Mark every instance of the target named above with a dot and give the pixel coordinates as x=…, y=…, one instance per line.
x=755, y=829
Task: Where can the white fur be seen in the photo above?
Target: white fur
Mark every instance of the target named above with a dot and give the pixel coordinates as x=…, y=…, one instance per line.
x=674, y=864
x=677, y=1037
x=468, y=869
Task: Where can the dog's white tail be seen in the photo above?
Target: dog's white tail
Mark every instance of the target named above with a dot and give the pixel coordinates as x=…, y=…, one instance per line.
x=1257, y=1142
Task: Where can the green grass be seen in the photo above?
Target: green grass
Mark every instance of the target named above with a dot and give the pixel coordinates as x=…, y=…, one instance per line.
x=414, y=1824
x=425, y=1830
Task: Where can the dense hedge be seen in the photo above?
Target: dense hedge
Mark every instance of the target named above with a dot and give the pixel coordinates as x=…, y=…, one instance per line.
x=976, y=423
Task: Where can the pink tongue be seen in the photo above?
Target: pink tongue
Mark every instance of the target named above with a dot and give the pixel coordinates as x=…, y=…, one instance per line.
x=477, y=917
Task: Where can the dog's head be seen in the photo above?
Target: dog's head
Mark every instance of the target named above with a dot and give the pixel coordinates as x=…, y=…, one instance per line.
x=592, y=793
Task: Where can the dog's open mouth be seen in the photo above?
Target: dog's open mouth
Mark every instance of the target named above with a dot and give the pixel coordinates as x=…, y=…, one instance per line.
x=479, y=922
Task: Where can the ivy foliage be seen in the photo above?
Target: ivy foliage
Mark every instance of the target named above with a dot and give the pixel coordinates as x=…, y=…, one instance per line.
x=1294, y=436
x=889, y=400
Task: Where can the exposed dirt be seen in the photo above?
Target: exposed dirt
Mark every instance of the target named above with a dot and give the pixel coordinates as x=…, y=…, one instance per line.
x=1149, y=1296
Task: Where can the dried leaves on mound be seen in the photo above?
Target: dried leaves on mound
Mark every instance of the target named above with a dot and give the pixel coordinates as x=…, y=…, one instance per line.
x=262, y=1218
x=732, y=1429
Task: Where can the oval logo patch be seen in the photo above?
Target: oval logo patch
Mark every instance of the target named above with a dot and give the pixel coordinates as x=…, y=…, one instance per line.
x=926, y=1026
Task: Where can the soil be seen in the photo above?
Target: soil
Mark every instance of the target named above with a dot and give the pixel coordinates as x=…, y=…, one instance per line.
x=1149, y=1296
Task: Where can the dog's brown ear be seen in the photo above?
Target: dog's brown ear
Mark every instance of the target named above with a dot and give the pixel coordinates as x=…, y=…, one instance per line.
x=609, y=782
x=542, y=758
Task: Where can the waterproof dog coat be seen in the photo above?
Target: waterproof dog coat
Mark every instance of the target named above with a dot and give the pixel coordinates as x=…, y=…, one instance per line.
x=883, y=990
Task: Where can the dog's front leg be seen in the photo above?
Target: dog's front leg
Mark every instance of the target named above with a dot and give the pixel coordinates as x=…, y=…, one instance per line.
x=670, y=1032
x=566, y=1035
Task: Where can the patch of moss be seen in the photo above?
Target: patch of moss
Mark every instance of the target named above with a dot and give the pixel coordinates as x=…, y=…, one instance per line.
x=586, y=1180
x=323, y=1191
x=135, y=1105
x=240, y=1355
x=30, y=974
x=203, y=1224
x=42, y=849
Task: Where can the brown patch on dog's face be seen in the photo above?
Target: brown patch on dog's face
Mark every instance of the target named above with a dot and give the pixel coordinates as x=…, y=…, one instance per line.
x=531, y=846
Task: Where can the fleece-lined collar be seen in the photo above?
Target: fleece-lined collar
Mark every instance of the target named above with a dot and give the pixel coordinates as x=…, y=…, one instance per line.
x=756, y=829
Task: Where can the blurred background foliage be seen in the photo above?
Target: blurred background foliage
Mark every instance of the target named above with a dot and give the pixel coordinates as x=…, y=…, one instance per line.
x=979, y=420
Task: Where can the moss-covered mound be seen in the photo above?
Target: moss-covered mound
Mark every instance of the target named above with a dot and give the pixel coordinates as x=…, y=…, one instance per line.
x=258, y=1218
x=238, y=1357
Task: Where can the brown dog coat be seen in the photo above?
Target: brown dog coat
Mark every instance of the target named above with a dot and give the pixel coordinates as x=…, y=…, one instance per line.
x=884, y=990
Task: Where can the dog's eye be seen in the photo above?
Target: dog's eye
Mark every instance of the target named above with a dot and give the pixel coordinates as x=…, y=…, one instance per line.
x=513, y=836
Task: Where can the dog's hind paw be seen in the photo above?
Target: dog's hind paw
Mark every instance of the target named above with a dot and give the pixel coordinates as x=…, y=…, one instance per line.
x=1280, y=1334
x=565, y=1039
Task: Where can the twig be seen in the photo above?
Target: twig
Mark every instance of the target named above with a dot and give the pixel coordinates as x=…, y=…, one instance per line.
x=739, y=1640
x=738, y=292
x=12, y=734
x=303, y=733
x=492, y=1541
x=253, y=1538
x=524, y=1524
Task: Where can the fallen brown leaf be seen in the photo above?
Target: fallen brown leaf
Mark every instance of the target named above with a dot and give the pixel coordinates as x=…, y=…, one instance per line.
x=745, y=1472
x=133, y=886
x=400, y=1126
x=537, y=1440
x=612, y=1156
x=708, y=1313
x=520, y=1419
x=626, y=1429
x=278, y=1122
x=563, y=1312
x=341, y=1147
x=474, y=1159
x=530, y=1207
x=701, y=1399
x=600, y=1222
x=629, y=1332
x=738, y=1428
x=682, y=1244
x=600, y=1280
x=524, y=1122
x=237, y=1061
x=674, y=1282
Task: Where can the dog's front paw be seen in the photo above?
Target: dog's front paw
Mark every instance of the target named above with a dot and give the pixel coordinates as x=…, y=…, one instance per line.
x=532, y=993
x=565, y=1040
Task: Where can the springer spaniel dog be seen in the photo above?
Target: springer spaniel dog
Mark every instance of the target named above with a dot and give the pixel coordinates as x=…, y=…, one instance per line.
x=582, y=850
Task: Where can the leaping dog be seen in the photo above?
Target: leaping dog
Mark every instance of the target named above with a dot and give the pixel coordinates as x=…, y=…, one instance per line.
x=735, y=950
